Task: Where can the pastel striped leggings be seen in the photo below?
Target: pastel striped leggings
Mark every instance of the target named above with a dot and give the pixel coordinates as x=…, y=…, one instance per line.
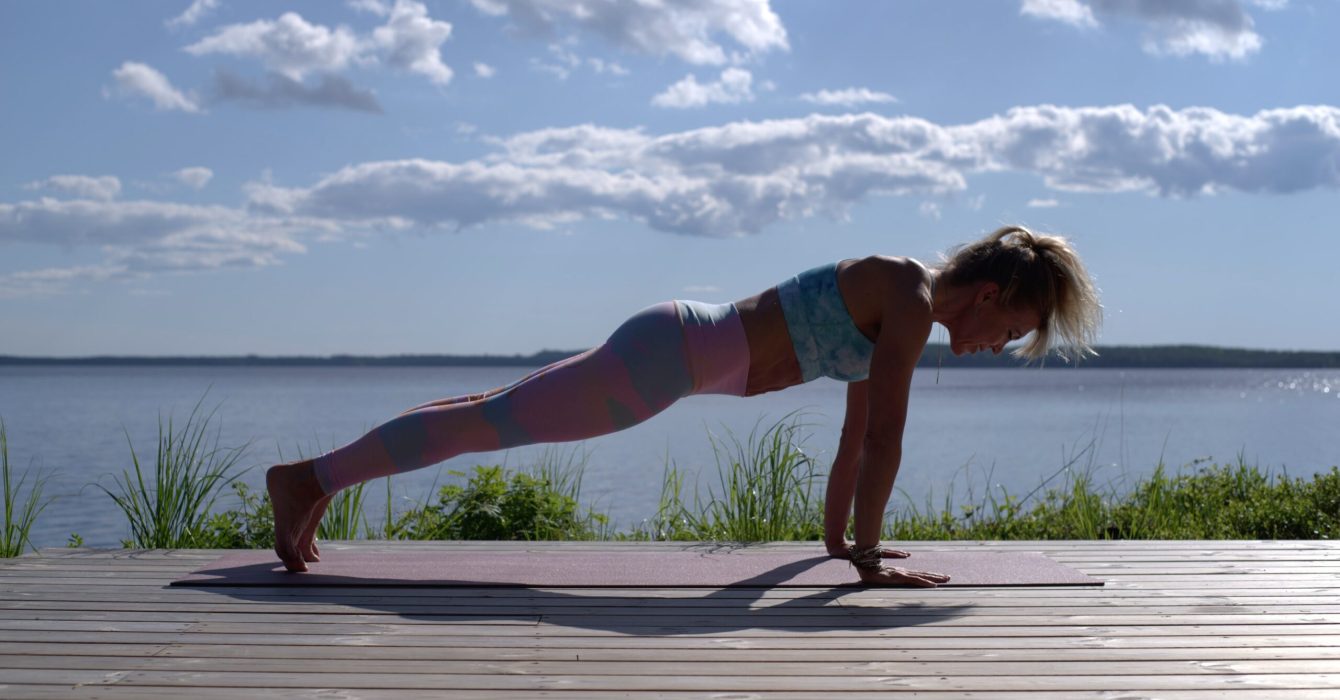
x=660, y=355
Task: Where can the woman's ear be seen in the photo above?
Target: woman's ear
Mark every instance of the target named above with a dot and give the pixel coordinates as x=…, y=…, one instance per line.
x=986, y=292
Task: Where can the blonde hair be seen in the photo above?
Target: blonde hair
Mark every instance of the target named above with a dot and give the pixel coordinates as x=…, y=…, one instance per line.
x=1039, y=272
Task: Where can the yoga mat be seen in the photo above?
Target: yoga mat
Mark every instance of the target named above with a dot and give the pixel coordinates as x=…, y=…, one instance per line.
x=584, y=569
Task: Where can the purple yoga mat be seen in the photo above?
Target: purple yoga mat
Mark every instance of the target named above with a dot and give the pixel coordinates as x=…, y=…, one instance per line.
x=584, y=569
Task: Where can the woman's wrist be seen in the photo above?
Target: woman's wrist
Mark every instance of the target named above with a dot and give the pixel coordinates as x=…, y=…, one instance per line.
x=866, y=558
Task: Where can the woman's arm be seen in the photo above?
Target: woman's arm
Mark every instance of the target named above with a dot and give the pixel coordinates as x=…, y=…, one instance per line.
x=890, y=383
x=902, y=338
x=842, y=477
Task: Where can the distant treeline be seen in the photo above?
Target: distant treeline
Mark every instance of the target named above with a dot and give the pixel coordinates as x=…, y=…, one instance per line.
x=1108, y=356
x=1177, y=356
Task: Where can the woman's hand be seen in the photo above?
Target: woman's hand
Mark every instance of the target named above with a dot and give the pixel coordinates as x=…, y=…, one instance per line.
x=898, y=576
x=843, y=551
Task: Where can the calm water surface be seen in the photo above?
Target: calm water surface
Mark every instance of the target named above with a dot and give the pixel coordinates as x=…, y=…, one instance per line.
x=975, y=429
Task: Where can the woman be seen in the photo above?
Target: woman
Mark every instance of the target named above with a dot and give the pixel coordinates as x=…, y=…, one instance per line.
x=863, y=321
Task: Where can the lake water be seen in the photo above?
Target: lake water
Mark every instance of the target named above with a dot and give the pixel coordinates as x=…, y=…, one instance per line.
x=997, y=428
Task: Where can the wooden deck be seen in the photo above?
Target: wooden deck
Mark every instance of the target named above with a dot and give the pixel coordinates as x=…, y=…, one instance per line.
x=1216, y=620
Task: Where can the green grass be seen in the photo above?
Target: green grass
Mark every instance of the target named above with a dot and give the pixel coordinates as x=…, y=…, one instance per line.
x=1199, y=502
x=766, y=491
x=500, y=504
x=190, y=471
x=20, y=514
x=768, y=488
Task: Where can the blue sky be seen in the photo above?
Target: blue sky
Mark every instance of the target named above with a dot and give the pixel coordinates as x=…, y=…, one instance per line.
x=504, y=176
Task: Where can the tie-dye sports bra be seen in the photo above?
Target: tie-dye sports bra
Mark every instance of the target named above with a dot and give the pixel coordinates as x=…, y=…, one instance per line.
x=826, y=339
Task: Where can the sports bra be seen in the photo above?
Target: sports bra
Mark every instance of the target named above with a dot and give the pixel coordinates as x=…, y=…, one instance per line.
x=826, y=339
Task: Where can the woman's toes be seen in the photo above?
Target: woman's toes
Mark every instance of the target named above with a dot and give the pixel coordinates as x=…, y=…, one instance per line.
x=293, y=495
x=307, y=541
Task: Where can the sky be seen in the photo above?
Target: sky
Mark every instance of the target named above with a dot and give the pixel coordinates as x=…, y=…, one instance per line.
x=381, y=177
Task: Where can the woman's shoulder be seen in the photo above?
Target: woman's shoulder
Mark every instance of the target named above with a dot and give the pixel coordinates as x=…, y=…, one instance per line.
x=880, y=287
x=894, y=273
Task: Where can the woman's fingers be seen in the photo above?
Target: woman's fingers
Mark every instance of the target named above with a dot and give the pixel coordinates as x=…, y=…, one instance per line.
x=897, y=576
x=928, y=576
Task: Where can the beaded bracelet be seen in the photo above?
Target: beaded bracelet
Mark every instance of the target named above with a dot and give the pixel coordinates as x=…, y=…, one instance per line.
x=868, y=559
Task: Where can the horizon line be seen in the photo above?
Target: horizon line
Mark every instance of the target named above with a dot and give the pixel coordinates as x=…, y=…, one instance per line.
x=568, y=353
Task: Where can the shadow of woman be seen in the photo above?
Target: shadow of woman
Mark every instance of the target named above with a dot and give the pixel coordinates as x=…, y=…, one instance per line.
x=754, y=603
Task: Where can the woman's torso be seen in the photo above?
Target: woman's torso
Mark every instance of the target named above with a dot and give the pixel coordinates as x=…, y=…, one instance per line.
x=867, y=286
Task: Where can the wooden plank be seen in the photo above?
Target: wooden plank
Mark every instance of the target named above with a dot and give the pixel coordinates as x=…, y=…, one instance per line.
x=687, y=654
x=1177, y=619
x=1113, y=594
x=370, y=638
x=1115, y=591
x=638, y=683
x=1197, y=582
x=133, y=692
x=21, y=609
x=1095, y=550
x=643, y=668
x=635, y=627
x=832, y=618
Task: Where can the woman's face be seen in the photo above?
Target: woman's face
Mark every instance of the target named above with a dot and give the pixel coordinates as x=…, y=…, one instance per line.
x=989, y=326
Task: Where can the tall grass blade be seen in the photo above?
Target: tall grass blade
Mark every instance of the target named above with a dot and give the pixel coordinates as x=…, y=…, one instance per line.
x=19, y=515
x=189, y=474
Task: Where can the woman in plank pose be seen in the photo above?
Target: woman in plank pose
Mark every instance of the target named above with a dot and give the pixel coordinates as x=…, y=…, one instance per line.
x=863, y=321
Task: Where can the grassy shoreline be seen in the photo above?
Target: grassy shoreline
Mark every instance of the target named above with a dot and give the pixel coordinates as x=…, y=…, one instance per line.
x=768, y=489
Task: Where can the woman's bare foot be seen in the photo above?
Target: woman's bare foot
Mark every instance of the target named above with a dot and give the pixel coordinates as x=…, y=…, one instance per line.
x=295, y=495
x=307, y=542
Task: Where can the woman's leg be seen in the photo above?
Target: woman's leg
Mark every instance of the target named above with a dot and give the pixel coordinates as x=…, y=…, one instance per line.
x=638, y=372
x=466, y=398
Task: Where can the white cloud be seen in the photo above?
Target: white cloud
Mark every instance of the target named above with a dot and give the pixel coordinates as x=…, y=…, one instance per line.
x=1071, y=12
x=569, y=61
x=743, y=176
x=733, y=87
x=192, y=14
x=555, y=70
x=142, y=80
x=1197, y=150
x=196, y=177
x=734, y=179
x=141, y=238
x=850, y=97
x=484, y=70
x=411, y=40
x=686, y=29
x=289, y=45
x=602, y=66
x=930, y=210
x=293, y=47
x=702, y=289
x=1043, y=203
x=1218, y=29
x=53, y=280
x=722, y=181
x=105, y=187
